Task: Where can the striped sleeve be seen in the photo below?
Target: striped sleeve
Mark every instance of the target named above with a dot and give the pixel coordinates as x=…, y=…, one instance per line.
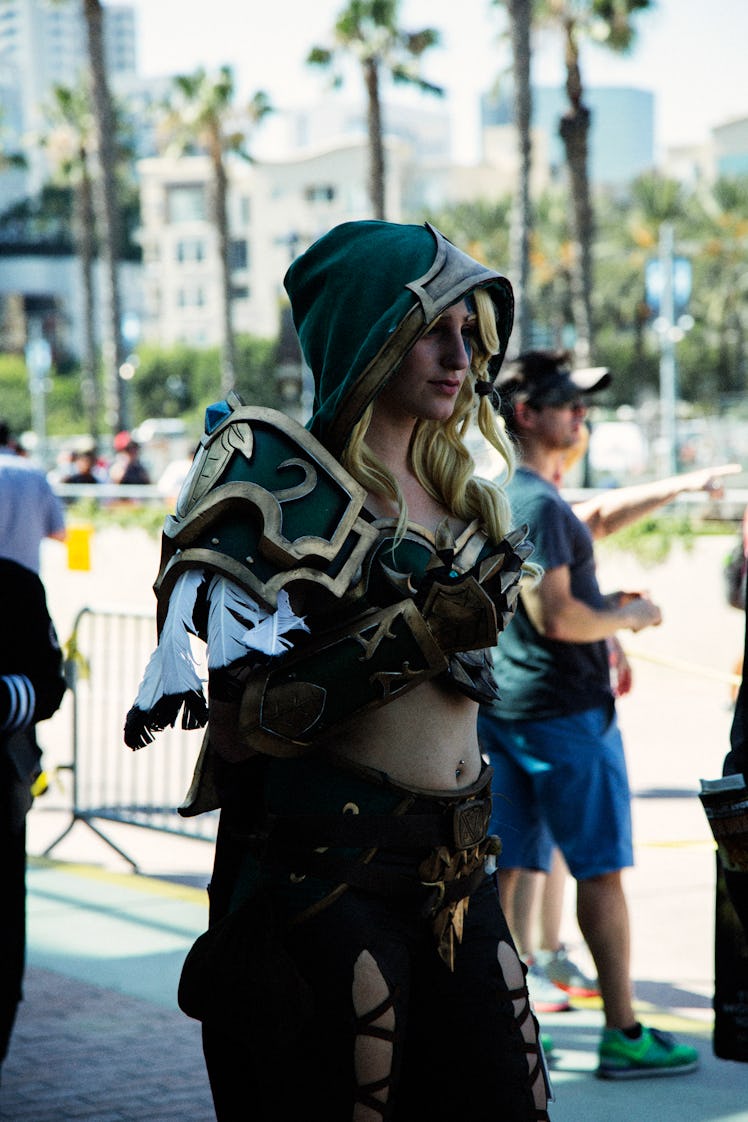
x=17, y=702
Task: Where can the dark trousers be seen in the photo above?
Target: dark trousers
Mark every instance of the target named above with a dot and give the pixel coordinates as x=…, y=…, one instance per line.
x=12, y=928
x=458, y=1050
x=730, y=1037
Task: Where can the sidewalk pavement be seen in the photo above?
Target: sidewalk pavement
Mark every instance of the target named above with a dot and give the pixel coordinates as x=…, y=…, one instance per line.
x=99, y=1035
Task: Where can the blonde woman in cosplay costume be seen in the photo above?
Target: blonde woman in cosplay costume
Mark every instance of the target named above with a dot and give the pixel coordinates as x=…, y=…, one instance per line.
x=349, y=580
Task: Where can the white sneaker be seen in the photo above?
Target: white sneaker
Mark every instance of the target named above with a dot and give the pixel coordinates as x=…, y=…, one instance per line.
x=565, y=974
x=546, y=997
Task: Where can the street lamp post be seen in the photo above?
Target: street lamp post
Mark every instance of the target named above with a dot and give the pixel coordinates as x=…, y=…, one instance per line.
x=668, y=376
x=668, y=290
x=38, y=362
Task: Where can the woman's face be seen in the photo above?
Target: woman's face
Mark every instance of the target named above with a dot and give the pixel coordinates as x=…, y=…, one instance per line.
x=430, y=376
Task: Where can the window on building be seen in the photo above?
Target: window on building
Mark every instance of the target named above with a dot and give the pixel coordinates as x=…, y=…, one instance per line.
x=238, y=254
x=186, y=203
x=245, y=210
x=190, y=249
x=240, y=292
x=319, y=193
x=191, y=296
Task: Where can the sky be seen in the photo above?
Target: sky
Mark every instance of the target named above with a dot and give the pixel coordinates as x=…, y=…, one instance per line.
x=690, y=53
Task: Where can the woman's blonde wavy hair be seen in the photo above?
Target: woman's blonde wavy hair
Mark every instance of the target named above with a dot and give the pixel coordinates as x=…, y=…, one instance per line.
x=439, y=454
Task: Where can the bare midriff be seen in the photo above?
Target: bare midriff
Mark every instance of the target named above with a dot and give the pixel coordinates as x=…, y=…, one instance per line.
x=426, y=739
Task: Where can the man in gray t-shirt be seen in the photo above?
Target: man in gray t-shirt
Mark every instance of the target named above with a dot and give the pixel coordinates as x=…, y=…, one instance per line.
x=29, y=509
x=552, y=738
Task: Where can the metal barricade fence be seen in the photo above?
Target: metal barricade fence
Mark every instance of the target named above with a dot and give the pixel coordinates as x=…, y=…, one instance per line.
x=107, y=653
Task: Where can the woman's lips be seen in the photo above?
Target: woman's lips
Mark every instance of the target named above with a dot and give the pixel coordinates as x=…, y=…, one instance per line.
x=448, y=387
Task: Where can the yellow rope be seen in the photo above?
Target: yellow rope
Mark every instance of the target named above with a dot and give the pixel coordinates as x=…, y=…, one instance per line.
x=686, y=667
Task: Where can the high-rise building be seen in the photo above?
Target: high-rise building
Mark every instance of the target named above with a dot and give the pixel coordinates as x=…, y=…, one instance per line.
x=43, y=44
x=621, y=139
x=730, y=144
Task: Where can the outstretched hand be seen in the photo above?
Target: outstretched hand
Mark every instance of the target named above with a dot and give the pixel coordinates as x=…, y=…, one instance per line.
x=708, y=479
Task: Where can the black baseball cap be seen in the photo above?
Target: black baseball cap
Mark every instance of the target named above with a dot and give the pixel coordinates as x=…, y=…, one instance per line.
x=547, y=378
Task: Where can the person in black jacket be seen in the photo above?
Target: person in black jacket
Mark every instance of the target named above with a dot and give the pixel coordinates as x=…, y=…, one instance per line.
x=731, y=915
x=31, y=690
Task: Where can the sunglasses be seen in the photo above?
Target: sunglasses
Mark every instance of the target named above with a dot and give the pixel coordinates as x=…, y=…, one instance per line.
x=575, y=405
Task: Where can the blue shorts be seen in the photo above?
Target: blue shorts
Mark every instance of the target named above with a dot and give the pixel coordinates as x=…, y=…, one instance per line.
x=561, y=781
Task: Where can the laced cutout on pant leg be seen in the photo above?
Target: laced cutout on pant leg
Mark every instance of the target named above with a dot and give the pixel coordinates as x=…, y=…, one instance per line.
x=375, y=1037
x=514, y=976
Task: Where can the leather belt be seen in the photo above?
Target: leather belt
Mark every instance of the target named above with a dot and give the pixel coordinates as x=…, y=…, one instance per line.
x=459, y=826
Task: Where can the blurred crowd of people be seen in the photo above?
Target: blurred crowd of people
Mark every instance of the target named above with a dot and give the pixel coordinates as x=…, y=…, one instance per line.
x=85, y=463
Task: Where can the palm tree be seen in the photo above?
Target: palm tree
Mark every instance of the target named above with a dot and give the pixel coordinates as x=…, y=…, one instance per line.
x=719, y=249
x=10, y=160
x=551, y=257
x=611, y=23
x=70, y=143
x=368, y=30
x=201, y=116
x=520, y=25
x=109, y=223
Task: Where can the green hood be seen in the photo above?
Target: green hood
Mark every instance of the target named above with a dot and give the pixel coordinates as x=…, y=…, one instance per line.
x=361, y=296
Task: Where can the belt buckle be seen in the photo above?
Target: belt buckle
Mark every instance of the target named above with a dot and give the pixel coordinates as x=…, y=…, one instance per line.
x=470, y=820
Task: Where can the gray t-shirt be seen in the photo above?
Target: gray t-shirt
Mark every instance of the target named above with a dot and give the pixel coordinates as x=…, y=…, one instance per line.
x=29, y=510
x=538, y=677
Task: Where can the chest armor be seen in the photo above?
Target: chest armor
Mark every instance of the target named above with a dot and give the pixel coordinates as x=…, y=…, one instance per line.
x=410, y=567
x=267, y=507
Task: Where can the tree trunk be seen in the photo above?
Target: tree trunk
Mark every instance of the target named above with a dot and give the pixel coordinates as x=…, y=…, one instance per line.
x=109, y=218
x=84, y=236
x=520, y=18
x=220, y=212
x=376, y=145
x=574, y=131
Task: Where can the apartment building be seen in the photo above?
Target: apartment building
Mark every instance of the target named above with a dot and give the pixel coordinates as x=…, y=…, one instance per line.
x=276, y=209
x=43, y=44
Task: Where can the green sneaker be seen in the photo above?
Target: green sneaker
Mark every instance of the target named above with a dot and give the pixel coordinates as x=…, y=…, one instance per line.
x=654, y=1053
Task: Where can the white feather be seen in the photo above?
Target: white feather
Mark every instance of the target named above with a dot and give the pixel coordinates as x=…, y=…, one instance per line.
x=151, y=686
x=231, y=611
x=171, y=668
x=237, y=624
x=267, y=636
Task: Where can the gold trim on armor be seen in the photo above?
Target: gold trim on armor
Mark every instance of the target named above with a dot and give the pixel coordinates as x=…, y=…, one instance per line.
x=204, y=500
x=452, y=274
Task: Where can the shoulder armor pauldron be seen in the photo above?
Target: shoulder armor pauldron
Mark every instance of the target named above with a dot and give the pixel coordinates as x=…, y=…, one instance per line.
x=265, y=504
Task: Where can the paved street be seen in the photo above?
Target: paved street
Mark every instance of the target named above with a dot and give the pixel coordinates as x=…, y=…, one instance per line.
x=99, y=1035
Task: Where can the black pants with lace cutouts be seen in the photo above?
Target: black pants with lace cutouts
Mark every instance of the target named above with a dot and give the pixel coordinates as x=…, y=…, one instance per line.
x=440, y=1044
